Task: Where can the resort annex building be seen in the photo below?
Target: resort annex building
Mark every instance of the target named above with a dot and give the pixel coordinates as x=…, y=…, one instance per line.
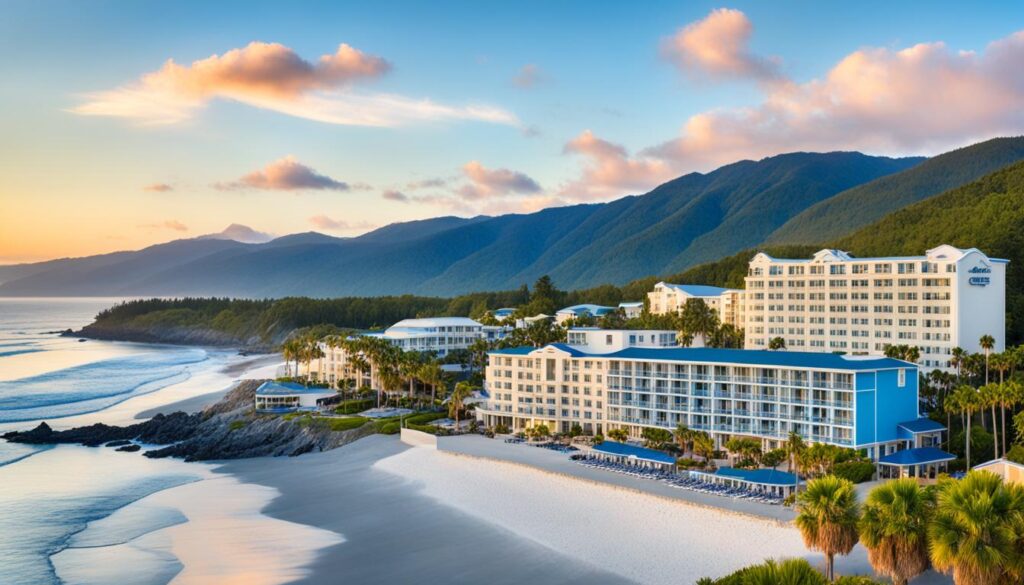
x=670, y=298
x=834, y=302
x=849, y=401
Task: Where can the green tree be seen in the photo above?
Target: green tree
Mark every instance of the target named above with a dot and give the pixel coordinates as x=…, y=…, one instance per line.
x=987, y=342
x=827, y=514
x=655, y=437
x=704, y=446
x=976, y=530
x=619, y=435
x=965, y=400
x=776, y=343
x=894, y=529
x=696, y=320
x=457, y=400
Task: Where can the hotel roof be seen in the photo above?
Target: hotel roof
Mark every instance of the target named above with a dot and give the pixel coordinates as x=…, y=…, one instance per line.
x=434, y=322
x=919, y=456
x=758, y=476
x=642, y=453
x=922, y=425
x=288, y=389
x=595, y=310
x=697, y=290
x=753, y=357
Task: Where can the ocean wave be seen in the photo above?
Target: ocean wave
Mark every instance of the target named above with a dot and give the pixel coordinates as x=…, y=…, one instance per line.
x=94, y=386
x=14, y=352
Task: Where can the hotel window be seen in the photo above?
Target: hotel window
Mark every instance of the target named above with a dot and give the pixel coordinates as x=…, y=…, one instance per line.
x=902, y=378
x=837, y=269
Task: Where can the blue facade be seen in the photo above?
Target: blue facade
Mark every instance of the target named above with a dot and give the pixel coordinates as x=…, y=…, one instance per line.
x=882, y=404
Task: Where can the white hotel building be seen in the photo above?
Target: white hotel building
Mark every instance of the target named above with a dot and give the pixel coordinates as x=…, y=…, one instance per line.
x=670, y=298
x=834, y=302
x=637, y=379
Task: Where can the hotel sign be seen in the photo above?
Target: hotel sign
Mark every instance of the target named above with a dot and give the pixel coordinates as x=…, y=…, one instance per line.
x=979, y=276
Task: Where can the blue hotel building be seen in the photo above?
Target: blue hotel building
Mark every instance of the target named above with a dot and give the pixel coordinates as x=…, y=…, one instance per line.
x=634, y=379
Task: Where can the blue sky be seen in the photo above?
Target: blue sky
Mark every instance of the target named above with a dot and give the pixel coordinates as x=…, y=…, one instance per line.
x=74, y=184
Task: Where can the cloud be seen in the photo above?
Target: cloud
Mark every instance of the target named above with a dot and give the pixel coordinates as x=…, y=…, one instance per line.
x=393, y=195
x=609, y=171
x=286, y=174
x=529, y=76
x=273, y=77
x=716, y=47
x=484, y=182
x=925, y=98
x=326, y=223
x=158, y=187
x=168, y=224
x=433, y=183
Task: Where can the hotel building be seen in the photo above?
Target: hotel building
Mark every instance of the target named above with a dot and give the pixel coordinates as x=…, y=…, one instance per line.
x=834, y=302
x=637, y=379
x=670, y=298
x=439, y=335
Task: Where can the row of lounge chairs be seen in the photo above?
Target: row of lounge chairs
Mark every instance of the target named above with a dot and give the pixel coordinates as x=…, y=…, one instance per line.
x=679, y=481
x=549, y=445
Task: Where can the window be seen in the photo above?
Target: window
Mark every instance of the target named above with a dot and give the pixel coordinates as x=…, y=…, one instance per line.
x=607, y=339
x=901, y=378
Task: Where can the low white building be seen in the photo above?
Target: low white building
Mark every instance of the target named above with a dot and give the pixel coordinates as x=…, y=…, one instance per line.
x=584, y=310
x=440, y=335
x=669, y=298
x=631, y=309
x=274, y=397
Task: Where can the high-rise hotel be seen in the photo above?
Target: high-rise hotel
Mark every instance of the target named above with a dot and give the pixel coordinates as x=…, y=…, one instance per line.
x=834, y=302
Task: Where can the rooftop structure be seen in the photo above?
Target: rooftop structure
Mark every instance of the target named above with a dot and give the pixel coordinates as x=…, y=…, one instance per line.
x=577, y=311
x=632, y=309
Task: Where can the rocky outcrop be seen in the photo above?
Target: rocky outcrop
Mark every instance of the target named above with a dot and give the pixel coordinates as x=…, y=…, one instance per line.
x=177, y=335
x=228, y=429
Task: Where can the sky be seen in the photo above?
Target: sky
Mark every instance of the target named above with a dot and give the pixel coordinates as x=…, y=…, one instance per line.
x=124, y=124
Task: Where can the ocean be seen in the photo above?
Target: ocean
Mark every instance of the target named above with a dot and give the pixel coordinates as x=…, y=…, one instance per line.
x=75, y=514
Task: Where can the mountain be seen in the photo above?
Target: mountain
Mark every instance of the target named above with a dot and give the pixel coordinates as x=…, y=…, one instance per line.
x=867, y=203
x=240, y=233
x=692, y=219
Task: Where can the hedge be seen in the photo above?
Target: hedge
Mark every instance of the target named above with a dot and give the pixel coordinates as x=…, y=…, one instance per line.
x=855, y=471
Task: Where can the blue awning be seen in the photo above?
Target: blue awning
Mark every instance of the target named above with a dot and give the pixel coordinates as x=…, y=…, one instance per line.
x=922, y=425
x=919, y=456
x=641, y=453
x=758, y=476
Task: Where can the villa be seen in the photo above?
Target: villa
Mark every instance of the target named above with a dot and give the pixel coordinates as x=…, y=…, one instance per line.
x=669, y=298
x=632, y=380
x=278, y=397
x=585, y=310
x=632, y=309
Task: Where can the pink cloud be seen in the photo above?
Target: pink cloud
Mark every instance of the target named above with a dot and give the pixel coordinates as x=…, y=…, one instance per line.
x=158, y=187
x=484, y=182
x=529, y=76
x=327, y=223
x=925, y=98
x=394, y=195
x=274, y=77
x=286, y=174
x=169, y=224
x=609, y=170
x=717, y=47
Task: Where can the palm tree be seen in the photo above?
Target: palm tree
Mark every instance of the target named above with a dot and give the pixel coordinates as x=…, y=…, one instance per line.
x=291, y=349
x=965, y=399
x=976, y=530
x=776, y=343
x=827, y=515
x=988, y=395
x=697, y=319
x=704, y=446
x=432, y=374
x=409, y=367
x=456, y=402
x=1009, y=397
x=390, y=382
x=619, y=435
x=957, y=359
x=894, y=529
x=987, y=342
x=795, y=445
x=684, y=436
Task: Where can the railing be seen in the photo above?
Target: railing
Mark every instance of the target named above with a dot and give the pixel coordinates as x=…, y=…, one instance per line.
x=700, y=393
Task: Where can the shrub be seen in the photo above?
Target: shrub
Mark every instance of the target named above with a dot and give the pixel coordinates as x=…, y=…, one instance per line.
x=688, y=463
x=1016, y=454
x=855, y=471
x=354, y=406
x=501, y=429
x=391, y=428
x=237, y=424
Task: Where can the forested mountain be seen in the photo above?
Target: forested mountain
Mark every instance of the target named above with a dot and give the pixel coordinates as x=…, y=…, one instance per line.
x=854, y=208
x=692, y=219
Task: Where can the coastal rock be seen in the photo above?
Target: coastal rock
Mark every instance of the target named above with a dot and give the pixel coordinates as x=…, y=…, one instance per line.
x=129, y=448
x=120, y=443
x=229, y=429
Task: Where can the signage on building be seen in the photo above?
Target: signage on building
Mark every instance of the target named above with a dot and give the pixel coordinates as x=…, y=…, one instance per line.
x=980, y=280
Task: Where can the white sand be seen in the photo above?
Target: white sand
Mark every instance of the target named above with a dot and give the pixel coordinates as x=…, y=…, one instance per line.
x=644, y=538
x=203, y=533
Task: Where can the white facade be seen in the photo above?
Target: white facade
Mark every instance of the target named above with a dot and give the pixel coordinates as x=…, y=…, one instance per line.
x=632, y=310
x=835, y=302
x=437, y=334
x=595, y=340
x=670, y=298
